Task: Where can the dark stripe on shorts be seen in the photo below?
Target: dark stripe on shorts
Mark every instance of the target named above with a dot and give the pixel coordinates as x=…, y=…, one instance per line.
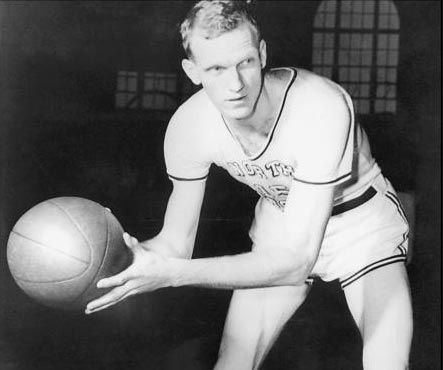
x=187, y=179
x=373, y=266
x=354, y=203
x=394, y=199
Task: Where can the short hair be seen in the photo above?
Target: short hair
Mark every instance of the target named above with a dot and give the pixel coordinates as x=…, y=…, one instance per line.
x=215, y=17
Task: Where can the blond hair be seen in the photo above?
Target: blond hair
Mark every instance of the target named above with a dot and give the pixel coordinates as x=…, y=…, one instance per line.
x=215, y=17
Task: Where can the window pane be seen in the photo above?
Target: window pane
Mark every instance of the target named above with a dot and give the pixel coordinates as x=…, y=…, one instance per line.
x=365, y=74
x=366, y=58
x=381, y=91
x=367, y=41
x=330, y=6
x=381, y=58
x=328, y=57
x=329, y=40
x=343, y=74
x=132, y=84
x=330, y=20
x=318, y=40
x=343, y=57
x=381, y=74
x=327, y=72
x=380, y=105
x=319, y=20
x=364, y=90
x=382, y=41
x=317, y=56
x=369, y=6
x=392, y=75
x=393, y=42
x=358, y=6
x=391, y=106
x=368, y=21
x=394, y=22
x=357, y=20
x=345, y=21
x=355, y=41
x=383, y=21
x=391, y=91
x=354, y=75
x=384, y=7
x=345, y=40
x=393, y=58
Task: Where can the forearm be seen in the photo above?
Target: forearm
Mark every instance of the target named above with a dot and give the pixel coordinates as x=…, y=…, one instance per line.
x=248, y=270
x=169, y=247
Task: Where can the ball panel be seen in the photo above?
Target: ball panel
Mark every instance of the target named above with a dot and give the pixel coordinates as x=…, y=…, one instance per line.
x=88, y=217
x=56, y=295
x=35, y=262
x=47, y=224
x=115, y=260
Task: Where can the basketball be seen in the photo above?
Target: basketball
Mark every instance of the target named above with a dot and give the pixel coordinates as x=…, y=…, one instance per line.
x=60, y=248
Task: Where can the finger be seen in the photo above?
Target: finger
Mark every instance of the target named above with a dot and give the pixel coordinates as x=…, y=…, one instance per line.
x=115, y=296
x=108, y=209
x=105, y=301
x=116, y=280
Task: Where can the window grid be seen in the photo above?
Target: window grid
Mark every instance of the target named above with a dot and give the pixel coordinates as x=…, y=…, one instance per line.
x=127, y=85
x=346, y=52
x=160, y=90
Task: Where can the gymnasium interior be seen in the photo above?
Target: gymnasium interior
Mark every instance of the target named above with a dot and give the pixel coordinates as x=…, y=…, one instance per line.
x=87, y=89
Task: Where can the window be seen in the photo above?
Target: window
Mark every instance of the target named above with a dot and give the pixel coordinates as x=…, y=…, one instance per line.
x=126, y=94
x=356, y=43
x=155, y=91
x=160, y=91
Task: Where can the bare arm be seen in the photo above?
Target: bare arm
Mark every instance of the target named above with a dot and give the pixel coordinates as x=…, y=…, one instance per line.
x=306, y=215
x=177, y=236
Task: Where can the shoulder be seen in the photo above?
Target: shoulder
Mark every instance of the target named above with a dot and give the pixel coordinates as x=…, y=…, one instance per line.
x=195, y=110
x=191, y=128
x=315, y=94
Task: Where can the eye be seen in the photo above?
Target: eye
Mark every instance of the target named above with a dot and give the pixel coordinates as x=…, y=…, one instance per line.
x=215, y=69
x=247, y=61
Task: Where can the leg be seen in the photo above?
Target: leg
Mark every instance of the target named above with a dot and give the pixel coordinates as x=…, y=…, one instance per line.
x=255, y=319
x=380, y=303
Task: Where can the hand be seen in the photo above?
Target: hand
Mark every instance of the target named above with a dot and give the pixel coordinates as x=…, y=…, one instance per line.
x=149, y=271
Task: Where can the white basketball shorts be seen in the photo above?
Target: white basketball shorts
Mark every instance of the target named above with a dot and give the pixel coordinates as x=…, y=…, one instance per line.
x=364, y=233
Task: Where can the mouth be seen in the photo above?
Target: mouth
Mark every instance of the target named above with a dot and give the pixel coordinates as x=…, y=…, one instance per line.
x=238, y=99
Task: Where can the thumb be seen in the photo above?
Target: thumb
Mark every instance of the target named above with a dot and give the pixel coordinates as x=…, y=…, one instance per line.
x=130, y=241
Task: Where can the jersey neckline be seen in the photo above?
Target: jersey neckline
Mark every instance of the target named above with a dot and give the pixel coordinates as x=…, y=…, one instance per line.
x=277, y=118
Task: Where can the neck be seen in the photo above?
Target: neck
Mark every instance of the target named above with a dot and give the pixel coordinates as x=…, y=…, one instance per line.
x=263, y=113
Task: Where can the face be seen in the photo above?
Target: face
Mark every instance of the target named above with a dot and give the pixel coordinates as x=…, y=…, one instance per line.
x=229, y=67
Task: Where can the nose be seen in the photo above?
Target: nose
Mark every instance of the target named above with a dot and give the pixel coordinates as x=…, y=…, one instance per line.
x=235, y=80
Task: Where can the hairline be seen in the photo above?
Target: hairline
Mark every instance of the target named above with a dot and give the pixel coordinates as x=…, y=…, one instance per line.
x=194, y=31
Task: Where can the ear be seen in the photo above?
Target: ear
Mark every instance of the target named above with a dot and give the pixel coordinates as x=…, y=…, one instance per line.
x=191, y=71
x=263, y=54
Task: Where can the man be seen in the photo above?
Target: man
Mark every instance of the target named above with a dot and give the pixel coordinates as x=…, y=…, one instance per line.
x=325, y=210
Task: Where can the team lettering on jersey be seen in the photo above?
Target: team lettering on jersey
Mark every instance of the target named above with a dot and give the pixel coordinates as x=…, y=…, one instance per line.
x=275, y=193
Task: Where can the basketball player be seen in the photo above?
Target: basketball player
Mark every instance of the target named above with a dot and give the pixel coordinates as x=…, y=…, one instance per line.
x=325, y=209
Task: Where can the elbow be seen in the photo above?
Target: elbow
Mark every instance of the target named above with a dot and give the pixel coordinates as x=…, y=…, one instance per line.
x=295, y=268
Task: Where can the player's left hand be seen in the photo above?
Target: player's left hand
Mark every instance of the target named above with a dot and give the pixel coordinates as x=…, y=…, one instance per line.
x=149, y=271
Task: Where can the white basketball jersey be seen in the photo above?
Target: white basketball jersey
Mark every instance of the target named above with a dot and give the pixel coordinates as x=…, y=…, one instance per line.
x=198, y=136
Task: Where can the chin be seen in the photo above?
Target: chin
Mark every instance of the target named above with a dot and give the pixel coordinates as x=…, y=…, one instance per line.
x=238, y=113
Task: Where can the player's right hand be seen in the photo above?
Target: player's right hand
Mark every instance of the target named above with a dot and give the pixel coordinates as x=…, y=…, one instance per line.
x=149, y=271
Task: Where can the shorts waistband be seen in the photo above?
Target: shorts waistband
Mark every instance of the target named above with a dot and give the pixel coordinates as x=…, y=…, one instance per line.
x=354, y=203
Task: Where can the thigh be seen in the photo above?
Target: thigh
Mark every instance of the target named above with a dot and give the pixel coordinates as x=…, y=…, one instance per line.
x=380, y=303
x=254, y=321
